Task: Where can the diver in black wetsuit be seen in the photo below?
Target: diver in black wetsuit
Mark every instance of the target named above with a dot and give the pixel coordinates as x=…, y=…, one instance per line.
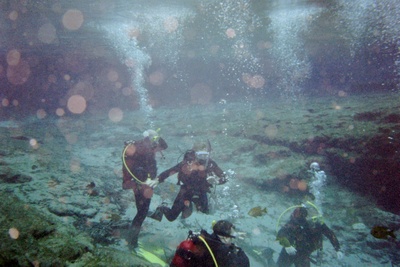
x=196, y=175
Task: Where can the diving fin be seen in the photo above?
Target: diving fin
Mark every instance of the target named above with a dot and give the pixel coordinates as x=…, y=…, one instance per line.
x=150, y=257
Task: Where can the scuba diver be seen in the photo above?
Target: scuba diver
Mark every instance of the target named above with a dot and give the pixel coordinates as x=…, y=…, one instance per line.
x=139, y=166
x=197, y=173
x=210, y=250
x=300, y=237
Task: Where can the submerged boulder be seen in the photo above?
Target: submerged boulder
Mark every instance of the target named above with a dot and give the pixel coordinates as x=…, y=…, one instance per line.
x=32, y=237
x=15, y=178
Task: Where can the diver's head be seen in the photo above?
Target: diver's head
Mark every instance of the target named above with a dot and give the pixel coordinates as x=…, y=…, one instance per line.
x=190, y=156
x=224, y=230
x=299, y=214
x=156, y=141
x=314, y=166
x=202, y=151
x=199, y=146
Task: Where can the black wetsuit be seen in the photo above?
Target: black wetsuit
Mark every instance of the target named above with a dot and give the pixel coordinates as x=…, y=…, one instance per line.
x=143, y=165
x=194, y=186
x=306, y=237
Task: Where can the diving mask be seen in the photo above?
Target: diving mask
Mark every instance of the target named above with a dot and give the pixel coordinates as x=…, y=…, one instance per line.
x=202, y=155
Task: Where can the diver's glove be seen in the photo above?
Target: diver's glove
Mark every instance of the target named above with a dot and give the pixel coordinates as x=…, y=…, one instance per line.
x=152, y=183
x=223, y=179
x=339, y=255
x=291, y=250
x=213, y=180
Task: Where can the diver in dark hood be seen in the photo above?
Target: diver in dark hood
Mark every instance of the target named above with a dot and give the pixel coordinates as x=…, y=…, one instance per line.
x=197, y=173
x=301, y=237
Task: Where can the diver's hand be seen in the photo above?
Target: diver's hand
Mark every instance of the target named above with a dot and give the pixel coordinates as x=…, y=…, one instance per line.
x=291, y=250
x=213, y=180
x=152, y=183
x=339, y=255
x=223, y=179
x=241, y=235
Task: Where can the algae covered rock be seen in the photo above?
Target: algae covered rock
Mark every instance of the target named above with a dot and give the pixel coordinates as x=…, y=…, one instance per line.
x=29, y=237
x=106, y=257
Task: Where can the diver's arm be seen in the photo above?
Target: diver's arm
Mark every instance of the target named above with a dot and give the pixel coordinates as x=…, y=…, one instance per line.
x=331, y=236
x=167, y=173
x=285, y=235
x=217, y=171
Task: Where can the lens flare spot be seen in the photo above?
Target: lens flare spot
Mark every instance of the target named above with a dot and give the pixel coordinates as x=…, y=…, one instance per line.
x=271, y=131
x=47, y=33
x=72, y=19
x=5, y=102
x=302, y=185
x=13, y=15
x=231, y=33
x=71, y=138
x=148, y=192
x=115, y=114
x=127, y=91
x=171, y=24
x=335, y=106
x=14, y=233
x=75, y=166
x=76, y=104
x=18, y=74
x=186, y=203
x=13, y=57
x=134, y=33
x=257, y=81
x=256, y=231
x=253, y=81
x=52, y=78
x=41, y=113
x=156, y=78
x=118, y=85
x=130, y=150
x=112, y=76
x=60, y=112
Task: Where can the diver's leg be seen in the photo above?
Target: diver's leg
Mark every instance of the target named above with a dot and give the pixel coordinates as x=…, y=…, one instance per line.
x=284, y=259
x=142, y=206
x=201, y=202
x=179, y=204
x=302, y=260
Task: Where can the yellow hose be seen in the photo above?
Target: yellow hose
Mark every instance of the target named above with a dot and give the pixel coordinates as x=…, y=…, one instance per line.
x=209, y=249
x=126, y=166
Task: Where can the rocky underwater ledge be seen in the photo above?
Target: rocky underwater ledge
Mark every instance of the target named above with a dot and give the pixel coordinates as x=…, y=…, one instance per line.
x=33, y=237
